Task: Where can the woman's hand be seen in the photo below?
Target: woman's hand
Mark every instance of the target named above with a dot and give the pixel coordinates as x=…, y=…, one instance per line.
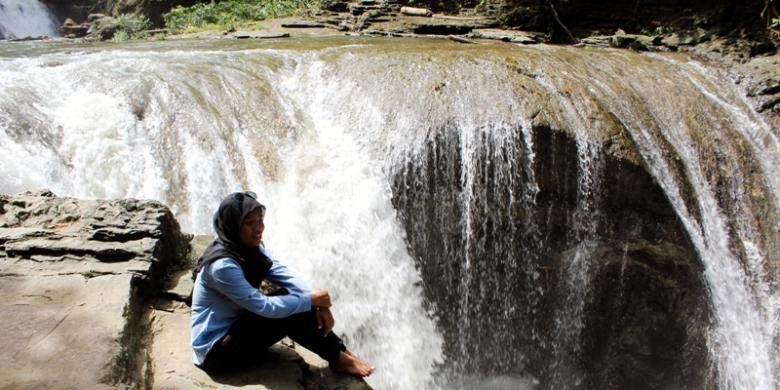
x=325, y=320
x=320, y=298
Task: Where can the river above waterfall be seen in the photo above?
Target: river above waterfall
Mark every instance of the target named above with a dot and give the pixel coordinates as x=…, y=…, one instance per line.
x=486, y=216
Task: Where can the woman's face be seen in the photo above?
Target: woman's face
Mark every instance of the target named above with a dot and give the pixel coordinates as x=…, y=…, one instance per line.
x=252, y=228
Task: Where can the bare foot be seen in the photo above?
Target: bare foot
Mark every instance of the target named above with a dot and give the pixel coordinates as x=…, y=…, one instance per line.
x=352, y=365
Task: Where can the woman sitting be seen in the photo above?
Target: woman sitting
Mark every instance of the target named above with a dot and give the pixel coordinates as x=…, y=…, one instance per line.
x=232, y=321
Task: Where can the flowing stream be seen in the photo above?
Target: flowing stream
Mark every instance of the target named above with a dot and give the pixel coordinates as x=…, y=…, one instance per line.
x=25, y=18
x=408, y=177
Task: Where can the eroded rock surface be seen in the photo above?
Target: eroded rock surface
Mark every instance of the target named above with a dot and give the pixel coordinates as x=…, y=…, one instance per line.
x=74, y=274
x=92, y=296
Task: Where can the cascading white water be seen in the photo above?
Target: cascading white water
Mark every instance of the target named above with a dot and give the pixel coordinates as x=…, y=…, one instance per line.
x=742, y=342
x=584, y=232
x=329, y=211
x=24, y=18
x=319, y=133
x=337, y=222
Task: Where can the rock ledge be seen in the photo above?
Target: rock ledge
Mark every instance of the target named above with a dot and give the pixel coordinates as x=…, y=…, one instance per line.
x=89, y=299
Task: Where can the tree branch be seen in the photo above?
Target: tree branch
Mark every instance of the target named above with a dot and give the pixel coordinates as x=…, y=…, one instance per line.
x=558, y=19
x=768, y=12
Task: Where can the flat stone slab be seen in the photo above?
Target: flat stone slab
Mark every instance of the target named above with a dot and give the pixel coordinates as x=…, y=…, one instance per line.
x=258, y=35
x=522, y=37
x=447, y=25
x=73, y=278
x=173, y=368
x=62, y=331
x=321, y=377
x=282, y=367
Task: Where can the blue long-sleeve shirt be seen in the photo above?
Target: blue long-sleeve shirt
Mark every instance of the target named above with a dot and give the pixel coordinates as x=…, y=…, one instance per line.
x=221, y=293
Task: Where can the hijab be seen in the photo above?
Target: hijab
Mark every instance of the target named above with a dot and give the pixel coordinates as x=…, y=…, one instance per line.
x=227, y=224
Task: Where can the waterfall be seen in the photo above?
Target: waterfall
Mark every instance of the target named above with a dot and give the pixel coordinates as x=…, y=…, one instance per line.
x=25, y=18
x=190, y=141
x=742, y=342
x=503, y=217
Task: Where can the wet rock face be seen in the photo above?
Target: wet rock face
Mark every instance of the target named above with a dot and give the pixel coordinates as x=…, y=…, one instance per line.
x=74, y=274
x=763, y=85
x=646, y=325
x=74, y=9
x=533, y=270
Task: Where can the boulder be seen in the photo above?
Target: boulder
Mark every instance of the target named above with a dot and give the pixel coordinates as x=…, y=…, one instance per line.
x=71, y=29
x=74, y=32
x=74, y=277
x=633, y=41
x=104, y=28
x=675, y=40
x=92, y=297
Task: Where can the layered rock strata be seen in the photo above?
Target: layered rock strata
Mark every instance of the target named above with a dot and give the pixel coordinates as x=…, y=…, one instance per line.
x=74, y=277
x=91, y=297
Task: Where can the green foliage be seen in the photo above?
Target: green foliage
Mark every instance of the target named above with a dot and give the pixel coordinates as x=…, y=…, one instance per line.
x=120, y=36
x=774, y=23
x=227, y=14
x=658, y=30
x=131, y=27
x=311, y=7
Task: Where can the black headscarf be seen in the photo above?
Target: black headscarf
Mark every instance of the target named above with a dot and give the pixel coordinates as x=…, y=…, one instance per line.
x=227, y=224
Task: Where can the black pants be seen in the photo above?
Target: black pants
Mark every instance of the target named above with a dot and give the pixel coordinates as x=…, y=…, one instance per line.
x=251, y=334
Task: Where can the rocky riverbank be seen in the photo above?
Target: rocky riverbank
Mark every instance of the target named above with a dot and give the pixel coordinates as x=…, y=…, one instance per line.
x=753, y=64
x=723, y=35
x=92, y=295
